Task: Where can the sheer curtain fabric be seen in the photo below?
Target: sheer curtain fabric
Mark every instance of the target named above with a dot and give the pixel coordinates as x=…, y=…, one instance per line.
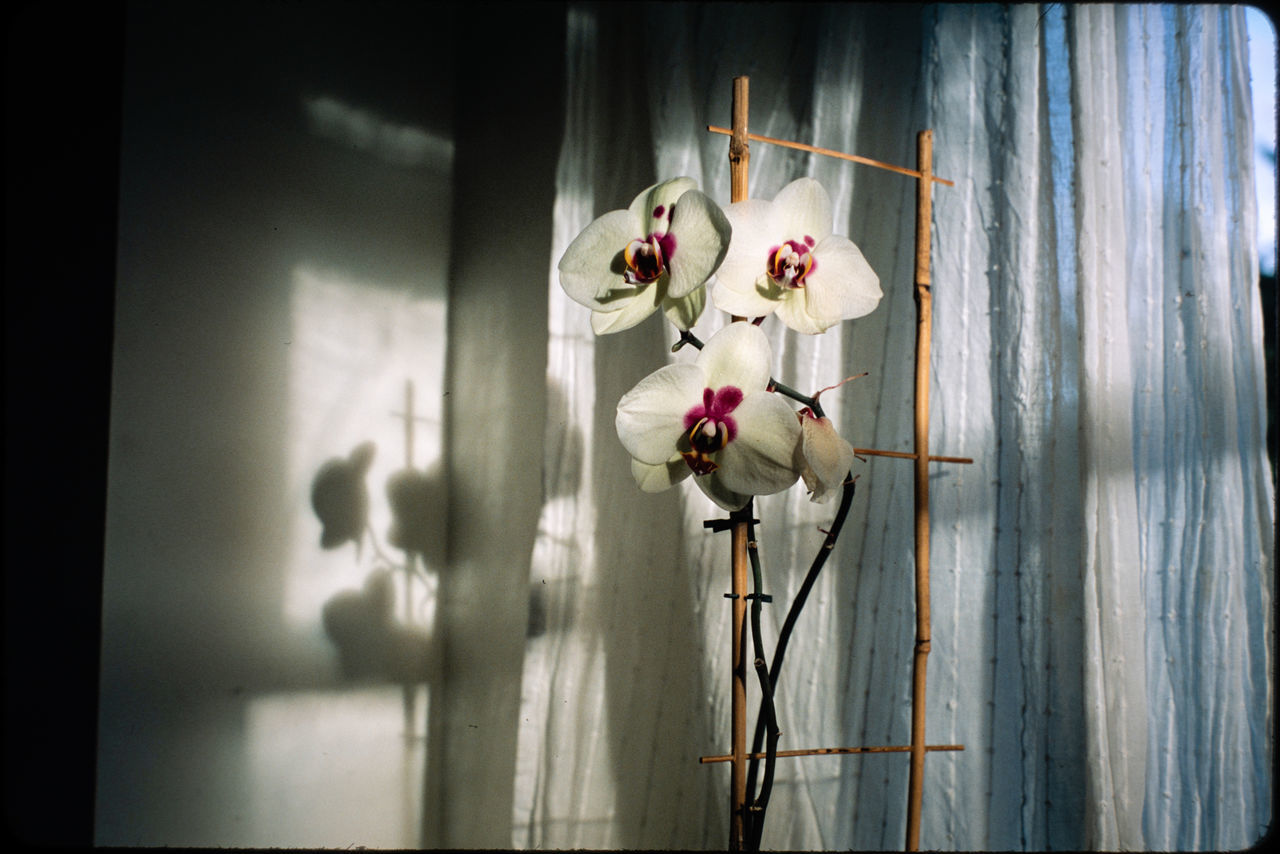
x=1102, y=572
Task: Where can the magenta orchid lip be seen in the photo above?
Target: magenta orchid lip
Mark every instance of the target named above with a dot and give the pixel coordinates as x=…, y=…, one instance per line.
x=790, y=263
x=647, y=259
x=710, y=427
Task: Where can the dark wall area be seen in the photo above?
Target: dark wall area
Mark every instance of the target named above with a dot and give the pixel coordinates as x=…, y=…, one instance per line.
x=62, y=91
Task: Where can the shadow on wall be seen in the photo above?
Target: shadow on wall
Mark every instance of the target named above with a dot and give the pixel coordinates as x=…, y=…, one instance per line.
x=370, y=641
x=272, y=157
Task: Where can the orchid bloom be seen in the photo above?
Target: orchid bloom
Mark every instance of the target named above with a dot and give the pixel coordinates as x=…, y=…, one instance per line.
x=714, y=419
x=822, y=456
x=656, y=254
x=783, y=259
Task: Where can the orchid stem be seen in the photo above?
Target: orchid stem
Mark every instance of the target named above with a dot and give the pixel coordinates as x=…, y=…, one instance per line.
x=784, y=637
x=811, y=402
x=768, y=714
x=686, y=337
x=828, y=544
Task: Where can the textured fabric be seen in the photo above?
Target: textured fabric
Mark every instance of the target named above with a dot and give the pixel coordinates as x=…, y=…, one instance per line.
x=1102, y=572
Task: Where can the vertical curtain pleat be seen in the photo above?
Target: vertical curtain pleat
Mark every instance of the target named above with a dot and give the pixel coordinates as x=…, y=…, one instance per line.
x=999, y=294
x=1114, y=627
x=1101, y=572
x=1204, y=496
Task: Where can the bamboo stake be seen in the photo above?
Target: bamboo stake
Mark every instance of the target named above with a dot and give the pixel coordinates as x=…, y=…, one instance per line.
x=924, y=330
x=831, y=751
x=856, y=158
x=737, y=776
x=739, y=158
x=903, y=455
x=739, y=149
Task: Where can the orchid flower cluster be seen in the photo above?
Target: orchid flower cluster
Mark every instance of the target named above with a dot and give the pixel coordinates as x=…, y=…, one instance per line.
x=721, y=418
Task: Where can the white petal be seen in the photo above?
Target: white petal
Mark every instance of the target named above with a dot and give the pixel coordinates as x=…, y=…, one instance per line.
x=662, y=195
x=631, y=311
x=650, y=417
x=793, y=312
x=702, y=235
x=660, y=477
x=760, y=459
x=803, y=208
x=842, y=284
x=713, y=487
x=684, y=312
x=591, y=268
x=758, y=301
x=737, y=355
x=748, y=255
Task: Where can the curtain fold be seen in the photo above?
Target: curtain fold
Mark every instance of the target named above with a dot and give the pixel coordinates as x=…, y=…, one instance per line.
x=1204, y=496
x=1114, y=625
x=1102, y=572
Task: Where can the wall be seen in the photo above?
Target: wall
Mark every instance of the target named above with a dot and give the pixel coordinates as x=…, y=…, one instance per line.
x=284, y=236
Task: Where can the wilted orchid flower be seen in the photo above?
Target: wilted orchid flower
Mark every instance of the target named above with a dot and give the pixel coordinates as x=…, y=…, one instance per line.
x=714, y=419
x=783, y=259
x=656, y=254
x=822, y=456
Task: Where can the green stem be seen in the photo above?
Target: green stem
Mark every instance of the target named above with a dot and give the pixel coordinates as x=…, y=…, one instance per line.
x=811, y=402
x=828, y=544
x=768, y=713
x=780, y=650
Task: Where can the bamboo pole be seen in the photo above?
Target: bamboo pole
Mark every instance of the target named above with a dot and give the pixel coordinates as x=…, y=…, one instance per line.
x=831, y=751
x=829, y=152
x=739, y=148
x=739, y=158
x=903, y=455
x=924, y=331
x=737, y=776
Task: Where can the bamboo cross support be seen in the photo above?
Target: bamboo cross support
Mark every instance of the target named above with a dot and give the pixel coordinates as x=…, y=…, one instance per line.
x=840, y=155
x=832, y=751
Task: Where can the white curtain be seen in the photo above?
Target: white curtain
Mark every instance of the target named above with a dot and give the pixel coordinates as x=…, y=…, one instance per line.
x=1102, y=572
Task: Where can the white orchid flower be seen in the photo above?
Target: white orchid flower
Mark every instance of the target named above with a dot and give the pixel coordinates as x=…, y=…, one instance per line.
x=783, y=259
x=822, y=456
x=656, y=254
x=714, y=419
